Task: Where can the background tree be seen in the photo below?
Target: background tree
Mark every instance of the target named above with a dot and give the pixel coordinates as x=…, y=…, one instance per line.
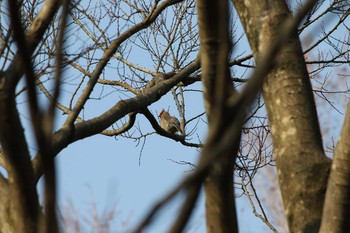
x=127, y=55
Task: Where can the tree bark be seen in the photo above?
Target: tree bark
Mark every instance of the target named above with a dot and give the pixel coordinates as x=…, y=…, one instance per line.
x=336, y=211
x=18, y=199
x=214, y=51
x=302, y=166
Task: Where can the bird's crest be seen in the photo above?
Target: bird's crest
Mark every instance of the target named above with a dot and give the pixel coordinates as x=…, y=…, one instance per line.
x=161, y=112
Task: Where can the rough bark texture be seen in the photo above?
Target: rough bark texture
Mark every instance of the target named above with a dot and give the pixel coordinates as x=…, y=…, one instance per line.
x=215, y=47
x=302, y=167
x=336, y=212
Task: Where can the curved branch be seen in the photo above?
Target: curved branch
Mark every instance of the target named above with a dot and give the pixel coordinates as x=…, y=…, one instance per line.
x=124, y=128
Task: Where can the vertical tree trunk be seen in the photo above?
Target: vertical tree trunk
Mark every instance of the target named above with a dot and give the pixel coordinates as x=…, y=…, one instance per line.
x=214, y=51
x=20, y=212
x=336, y=212
x=302, y=166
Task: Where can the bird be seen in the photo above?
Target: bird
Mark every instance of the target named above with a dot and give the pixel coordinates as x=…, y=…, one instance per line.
x=169, y=123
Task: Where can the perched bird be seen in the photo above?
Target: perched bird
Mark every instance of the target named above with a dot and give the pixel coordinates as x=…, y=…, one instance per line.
x=169, y=123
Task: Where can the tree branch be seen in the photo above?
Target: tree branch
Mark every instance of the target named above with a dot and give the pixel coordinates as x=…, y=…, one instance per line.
x=108, y=55
x=336, y=211
x=32, y=37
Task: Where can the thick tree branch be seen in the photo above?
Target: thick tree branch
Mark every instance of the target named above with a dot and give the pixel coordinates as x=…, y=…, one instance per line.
x=187, y=208
x=215, y=47
x=336, y=211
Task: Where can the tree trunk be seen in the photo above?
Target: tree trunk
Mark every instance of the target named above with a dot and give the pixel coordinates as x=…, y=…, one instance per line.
x=302, y=166
x=20, y=212
x=214, y=51
x=336, y=212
